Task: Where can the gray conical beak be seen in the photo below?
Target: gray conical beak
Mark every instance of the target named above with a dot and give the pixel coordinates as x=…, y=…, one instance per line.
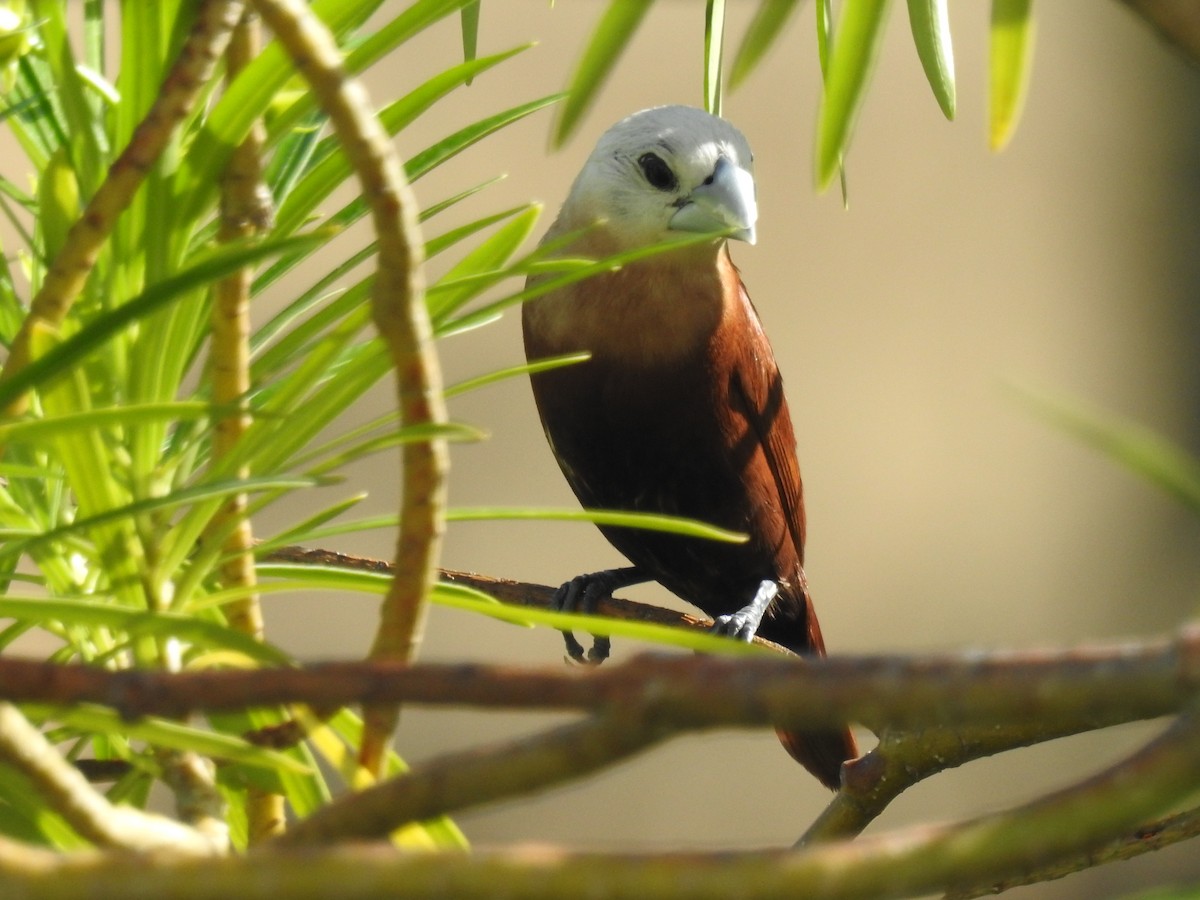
x=725, y=200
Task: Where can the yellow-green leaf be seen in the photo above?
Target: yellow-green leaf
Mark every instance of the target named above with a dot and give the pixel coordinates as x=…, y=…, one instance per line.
x=1011, y=55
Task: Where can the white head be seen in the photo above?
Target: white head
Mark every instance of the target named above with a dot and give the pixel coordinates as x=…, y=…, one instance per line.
x=663, y=170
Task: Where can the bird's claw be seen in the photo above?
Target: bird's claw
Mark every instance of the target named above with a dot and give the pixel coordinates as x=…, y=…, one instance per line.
x=744, y=623
x=577, y=595
x=738, y=625
x=582, y=594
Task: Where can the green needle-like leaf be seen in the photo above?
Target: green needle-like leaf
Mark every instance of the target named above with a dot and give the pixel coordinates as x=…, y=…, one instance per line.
x=66, y=356
x=469, y=17
x=930, y=22
x=856, y=42
x=608, y=42
x=714, y=49
x=767, y=24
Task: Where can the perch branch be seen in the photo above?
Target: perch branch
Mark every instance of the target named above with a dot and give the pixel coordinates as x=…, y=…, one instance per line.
x=398, y=306
x=902, y=759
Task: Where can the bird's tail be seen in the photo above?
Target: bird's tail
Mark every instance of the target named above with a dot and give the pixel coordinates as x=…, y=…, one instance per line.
x=821, y=752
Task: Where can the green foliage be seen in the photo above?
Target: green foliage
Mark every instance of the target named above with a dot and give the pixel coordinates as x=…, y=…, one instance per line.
x=110, y=478
x=847, y=56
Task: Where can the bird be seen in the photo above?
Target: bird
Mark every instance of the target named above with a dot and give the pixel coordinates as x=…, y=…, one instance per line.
x=678, y=408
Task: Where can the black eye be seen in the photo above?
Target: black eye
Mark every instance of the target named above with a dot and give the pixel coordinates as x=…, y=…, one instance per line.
x=657, y=172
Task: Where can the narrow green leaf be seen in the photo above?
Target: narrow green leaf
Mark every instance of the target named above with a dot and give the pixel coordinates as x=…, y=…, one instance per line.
x=768, y=23
x=87, y=612
x=541, y=365
x=714, y=53
x=1010, y=61
x=930, y=22
x=852, y=56
x=453, y=432
x=169, y=734
x=299, y=532
x=107, y=417
x=433, y=156
x=645, y=521
x=469, y=18
x=67, y=355
x=86, y=136
x=573, y=271
x=1135, y=447
x=180, y=497
x=333, y=168
x=442, y=242
x=456, y=596
x=488, y=257
x=608, y=42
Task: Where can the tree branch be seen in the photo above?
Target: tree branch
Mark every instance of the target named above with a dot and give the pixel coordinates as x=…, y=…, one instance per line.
x=398, y=307
x=914, y=860
x=1087, y=686
x=463, y=780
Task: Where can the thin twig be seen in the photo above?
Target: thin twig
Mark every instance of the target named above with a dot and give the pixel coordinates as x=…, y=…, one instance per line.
x=402, y=319
x=68, y=793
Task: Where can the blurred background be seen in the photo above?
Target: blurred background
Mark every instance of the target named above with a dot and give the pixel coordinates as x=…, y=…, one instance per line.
x=942, y=512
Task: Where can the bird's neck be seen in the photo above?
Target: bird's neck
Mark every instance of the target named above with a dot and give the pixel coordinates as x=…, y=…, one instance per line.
x=651, y=312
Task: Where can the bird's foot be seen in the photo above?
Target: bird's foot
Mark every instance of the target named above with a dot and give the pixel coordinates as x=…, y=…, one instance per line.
x=583, y=593
x=744, y=623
